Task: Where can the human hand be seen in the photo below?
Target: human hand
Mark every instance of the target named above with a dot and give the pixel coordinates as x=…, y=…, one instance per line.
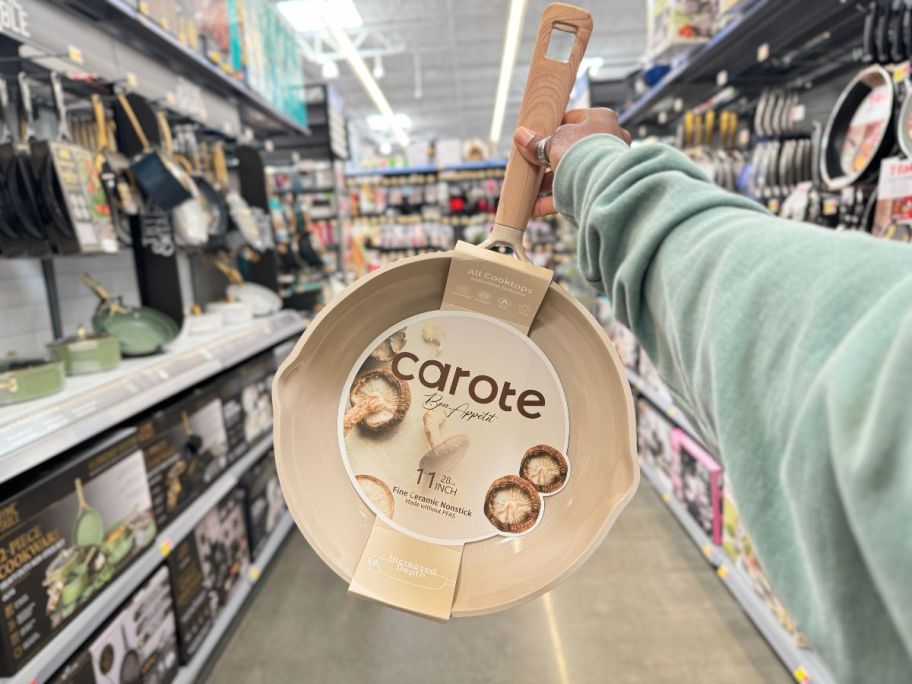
x=548, y=151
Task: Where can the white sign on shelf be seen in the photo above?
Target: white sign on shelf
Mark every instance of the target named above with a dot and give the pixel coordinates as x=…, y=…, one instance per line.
x=14, y=20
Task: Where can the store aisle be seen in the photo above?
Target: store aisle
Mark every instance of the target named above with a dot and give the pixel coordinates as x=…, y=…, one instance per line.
x=645, y=608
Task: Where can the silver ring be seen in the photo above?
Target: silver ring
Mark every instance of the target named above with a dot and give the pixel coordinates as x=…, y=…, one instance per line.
x=540, y=150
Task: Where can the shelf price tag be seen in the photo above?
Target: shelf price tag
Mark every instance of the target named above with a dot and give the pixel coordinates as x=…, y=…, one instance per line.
x=143, y=7
x=672, y=412
x=678, y=104
x=763, y=52
x=666, y=497
x=165, y=548
x=722, y=571
x=132, y=79
x=801, y=675
x=75, y=54
x=254, y=574
x=722, y=78
x=707, y=550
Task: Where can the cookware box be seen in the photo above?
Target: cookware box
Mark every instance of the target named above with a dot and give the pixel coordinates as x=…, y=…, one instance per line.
x=138, y=644
x=263, y=502
x=654, y=432
x=698, y=484
x=185, y=447
x=65, y=533
x=206, y=567
x=246, y=396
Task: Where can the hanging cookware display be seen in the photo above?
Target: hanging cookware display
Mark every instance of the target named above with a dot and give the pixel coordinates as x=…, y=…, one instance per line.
x=72, y=198
x=190, y=217
x=86, y=353
x=140, y=330
x=262, y=300
x=904, y=125
x=860, y=129
x=242, y=218
x=217, y=208
x=12, y=242
x=18, y=194
x=161, y=179
x=112, y=171
x=27, y=379
x=386, y=376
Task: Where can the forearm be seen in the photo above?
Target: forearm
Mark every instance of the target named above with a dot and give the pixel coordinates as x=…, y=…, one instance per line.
x=773, y=337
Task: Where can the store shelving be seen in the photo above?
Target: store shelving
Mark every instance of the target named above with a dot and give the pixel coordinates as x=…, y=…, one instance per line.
x=59, y=649
x=190, y=673
x=768, y=42
x=121, y=14
x=805, y=665
x=34, y=432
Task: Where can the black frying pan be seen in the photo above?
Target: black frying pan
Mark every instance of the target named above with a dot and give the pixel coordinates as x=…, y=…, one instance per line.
x=12, y=243
x=160, y=178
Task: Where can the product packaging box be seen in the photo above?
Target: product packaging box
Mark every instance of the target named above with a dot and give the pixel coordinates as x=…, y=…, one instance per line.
x=650, y=377
x=206, y=568
x=674, y=24
x=65, y=532
x=186, y=449
x=246, y=395
x=698, y=484
x=139, y=644
x=654, y=431
x=740, y=550
x=263, y=502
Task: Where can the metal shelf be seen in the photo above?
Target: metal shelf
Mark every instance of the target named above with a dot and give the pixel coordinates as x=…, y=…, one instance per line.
x=669, y=409
x=59, y=649
x=34, y=432
x=190, y=673
x=806, y=40
x=805, y=665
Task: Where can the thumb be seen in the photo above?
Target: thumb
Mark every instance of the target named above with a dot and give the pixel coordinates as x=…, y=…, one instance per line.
x=526, y=141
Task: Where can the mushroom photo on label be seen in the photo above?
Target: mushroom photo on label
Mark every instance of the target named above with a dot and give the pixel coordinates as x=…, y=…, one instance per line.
x=443, y=454
x=378, y=492
x=391, y=346
x=512, y=505
x=379, y=400
x=545, y=467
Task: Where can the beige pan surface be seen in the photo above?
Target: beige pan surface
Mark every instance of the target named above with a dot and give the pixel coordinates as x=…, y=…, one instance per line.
x=496, y=573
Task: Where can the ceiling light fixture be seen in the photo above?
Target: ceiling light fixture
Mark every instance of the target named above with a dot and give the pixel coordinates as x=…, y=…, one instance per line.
x=378, y=122
x=330, y=70
x=305, y=16
x=511, y=43
x=356, y=62
x=378, y=72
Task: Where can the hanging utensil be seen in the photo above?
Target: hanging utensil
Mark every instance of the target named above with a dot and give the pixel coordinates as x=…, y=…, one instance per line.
x=121, y=199
x=189, y=217
x=242, y=218
x=217, y=208
x=161, y=178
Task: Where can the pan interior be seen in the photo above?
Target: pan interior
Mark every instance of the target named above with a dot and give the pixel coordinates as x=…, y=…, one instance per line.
x=498, y=572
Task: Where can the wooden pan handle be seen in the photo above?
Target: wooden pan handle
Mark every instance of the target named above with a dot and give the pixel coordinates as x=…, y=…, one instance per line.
x=548, y=88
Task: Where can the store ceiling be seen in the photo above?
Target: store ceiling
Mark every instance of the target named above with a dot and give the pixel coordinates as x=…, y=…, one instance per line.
x=456, y=46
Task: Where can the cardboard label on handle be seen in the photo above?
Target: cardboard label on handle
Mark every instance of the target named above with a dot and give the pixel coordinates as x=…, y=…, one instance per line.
x=496, y=285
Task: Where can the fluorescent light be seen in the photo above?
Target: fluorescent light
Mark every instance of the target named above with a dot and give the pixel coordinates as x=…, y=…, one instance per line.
x=589, y=64
x=305, y=16
x=347, y=48
x=379, y=72
x=511, y=42
x=378, y=122
x=385, y=148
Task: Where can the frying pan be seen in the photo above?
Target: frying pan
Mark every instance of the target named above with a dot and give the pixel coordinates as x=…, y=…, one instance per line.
x=18, y=186
x=218, y=208
x=496, y=573
x=159, y=177
x=897, y=46
x=88, y=528
x=120, y=199
x=189, y=217
x=870, y=25
x=882, y=32
x=130, y=666
x=11, y=242
x=904, y=125
x=242, y=217
x=859, y=131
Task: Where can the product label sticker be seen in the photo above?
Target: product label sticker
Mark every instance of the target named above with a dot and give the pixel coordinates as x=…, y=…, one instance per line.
x=893, y=212
x=495, y=285
x=866, y=130
x=453, y=427
x=407, y=573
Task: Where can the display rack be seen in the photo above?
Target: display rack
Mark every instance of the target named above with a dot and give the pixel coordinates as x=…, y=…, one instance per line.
x=34, y=432
x=117, y=16
x=768, y=42
x=59, y=649
x=226, y=619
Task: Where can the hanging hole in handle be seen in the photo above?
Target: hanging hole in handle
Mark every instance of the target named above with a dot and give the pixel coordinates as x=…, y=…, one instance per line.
x=560, y=43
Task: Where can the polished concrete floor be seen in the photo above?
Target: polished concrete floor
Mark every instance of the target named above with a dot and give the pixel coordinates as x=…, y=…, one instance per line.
x=644, y=608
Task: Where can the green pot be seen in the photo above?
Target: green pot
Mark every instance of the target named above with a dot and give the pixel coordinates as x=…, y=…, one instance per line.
x=141, y=331
x=76, y=583
x=83, y=353
x=27, y=379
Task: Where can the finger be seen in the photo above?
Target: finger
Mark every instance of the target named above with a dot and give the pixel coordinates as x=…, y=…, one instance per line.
x=625, y=134
x=544, y=206
x=526, y=141
x=547, y=183
x=575, y=116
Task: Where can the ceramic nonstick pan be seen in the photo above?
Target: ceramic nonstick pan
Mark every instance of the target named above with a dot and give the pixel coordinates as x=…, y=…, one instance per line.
x=498, y=572
x=860, y=129
x=904, y=125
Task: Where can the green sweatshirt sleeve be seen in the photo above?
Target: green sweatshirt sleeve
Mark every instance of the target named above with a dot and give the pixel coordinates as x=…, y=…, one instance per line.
x=790, y=348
